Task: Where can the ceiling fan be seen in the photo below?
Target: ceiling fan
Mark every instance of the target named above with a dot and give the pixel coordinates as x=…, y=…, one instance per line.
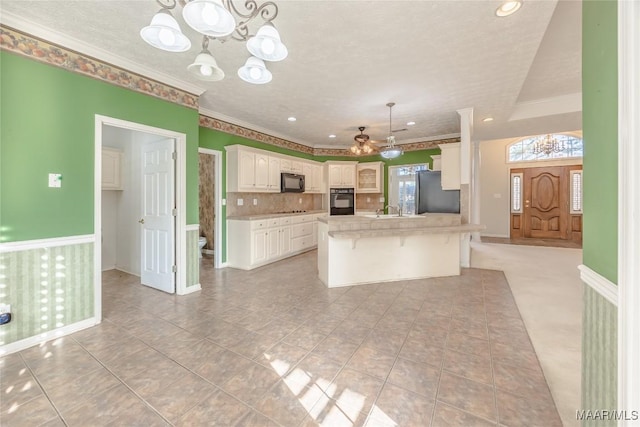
x=362, y=144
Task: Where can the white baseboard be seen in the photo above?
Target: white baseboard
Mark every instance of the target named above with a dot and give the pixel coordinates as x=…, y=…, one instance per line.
x=111, y=267
x=46, y=336
x=600, y=284
x=223, y=265
x=125, y=271
x=501, y=236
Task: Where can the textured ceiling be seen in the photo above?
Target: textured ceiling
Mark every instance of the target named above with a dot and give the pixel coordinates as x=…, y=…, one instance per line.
x=347, y=59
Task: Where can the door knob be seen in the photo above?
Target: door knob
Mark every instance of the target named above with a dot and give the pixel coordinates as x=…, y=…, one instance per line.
x=141, y=221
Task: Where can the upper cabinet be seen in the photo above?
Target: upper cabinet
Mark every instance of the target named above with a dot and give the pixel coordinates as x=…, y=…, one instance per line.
x=450, y=164
x=341, y=174
x=253, y=170
x=369, y=177
x=111, y=169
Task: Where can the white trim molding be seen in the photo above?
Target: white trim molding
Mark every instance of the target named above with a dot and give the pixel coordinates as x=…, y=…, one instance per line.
x=603, y=286
x=191, y=289
x=46, y=336
x=53, y=242
x=628, y=208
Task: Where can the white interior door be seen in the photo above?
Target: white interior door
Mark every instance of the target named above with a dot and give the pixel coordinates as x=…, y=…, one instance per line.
x=158, y=220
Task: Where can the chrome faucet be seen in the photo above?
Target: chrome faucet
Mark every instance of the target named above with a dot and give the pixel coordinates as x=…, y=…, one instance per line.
x=397, y=208
x=378, y=211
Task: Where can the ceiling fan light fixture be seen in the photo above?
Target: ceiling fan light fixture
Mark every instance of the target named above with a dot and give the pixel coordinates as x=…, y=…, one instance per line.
x=209, y=17
x=254, y=71
x=509, y=7
x=266, y=44
x=206, y=68
x=164, y=33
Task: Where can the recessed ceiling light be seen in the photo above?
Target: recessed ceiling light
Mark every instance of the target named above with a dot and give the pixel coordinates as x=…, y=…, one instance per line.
x=332, y=136
x=509, y=7
x=292, y=119
x=411, y=123
x=487, y=119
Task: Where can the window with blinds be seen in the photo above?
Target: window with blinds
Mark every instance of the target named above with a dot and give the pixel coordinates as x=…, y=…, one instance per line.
x=576, y=192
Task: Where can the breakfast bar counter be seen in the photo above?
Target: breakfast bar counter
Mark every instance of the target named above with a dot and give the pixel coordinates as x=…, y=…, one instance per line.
x=364, y=249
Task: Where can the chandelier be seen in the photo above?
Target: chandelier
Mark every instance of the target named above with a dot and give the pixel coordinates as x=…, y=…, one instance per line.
x=391, y=151
x=548, y=145
x=220, y=20
x=361, y=145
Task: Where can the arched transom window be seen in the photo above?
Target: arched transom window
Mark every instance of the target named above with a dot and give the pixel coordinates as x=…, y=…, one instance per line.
x=545, y=147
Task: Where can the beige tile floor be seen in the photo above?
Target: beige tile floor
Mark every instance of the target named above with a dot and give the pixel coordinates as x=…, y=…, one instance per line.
x=275, y=347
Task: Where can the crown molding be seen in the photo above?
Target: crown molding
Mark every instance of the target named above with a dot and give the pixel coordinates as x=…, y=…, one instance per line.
x=562, y=104
x=55, y=37
x=234, y=121
x=247, y=132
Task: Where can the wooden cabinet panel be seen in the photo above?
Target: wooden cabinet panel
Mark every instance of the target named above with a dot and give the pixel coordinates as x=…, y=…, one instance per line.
x=111, y=169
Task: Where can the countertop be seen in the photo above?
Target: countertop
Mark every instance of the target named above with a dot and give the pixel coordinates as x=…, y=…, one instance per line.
x=403, y=232
x=390, y=222
x=274, y=215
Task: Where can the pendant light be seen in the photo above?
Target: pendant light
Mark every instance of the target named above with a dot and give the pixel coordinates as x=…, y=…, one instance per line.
x=391, y=151
x=266, y=44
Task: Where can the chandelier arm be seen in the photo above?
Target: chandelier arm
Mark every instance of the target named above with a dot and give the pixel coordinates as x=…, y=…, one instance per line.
x=268, y=11
x=168, y=4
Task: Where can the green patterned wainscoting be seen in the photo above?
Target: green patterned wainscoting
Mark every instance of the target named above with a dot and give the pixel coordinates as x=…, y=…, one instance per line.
x=599, y=355
x=48, y=288
x=193, y=261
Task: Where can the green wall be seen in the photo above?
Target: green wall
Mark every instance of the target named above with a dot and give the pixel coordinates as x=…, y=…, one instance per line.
x=47, y=118
x=600, y=127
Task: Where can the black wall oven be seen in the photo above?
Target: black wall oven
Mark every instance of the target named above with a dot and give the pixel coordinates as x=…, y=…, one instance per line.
x=342, y=201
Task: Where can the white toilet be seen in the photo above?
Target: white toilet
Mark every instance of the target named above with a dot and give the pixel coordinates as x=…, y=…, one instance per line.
x=202, y=241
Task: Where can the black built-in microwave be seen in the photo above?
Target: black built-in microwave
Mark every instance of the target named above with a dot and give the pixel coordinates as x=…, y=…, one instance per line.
x=291, y=183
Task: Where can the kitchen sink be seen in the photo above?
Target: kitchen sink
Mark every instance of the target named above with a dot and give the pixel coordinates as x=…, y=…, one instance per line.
x=388, y=216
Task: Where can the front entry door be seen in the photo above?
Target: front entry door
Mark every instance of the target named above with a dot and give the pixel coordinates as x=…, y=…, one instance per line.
x=545, y=199
x=158, y=220
x=546, y=203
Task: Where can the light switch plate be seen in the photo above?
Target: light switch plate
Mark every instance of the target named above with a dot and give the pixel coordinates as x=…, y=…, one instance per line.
x=381, y=200
x=5, y=308
x=55, y=180
x=240, y=202
x=224, y=202
x=497, y=196
x=255, y=202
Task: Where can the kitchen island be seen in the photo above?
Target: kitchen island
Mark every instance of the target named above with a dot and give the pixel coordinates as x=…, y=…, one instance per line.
x=356, y=250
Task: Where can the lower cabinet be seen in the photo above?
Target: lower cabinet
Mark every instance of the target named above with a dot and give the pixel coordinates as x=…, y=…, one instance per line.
x=258, y=242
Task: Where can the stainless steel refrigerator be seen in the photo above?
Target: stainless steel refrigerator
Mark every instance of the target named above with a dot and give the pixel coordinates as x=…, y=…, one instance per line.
x=431, y=198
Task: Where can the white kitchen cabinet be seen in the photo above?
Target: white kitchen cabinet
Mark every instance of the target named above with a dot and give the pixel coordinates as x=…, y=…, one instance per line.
x=253, y=243
x=274, y=174
x=111, y=168
x=285, y=165
x=450, y=164
x=296, y=166
x=341, y=174
x=369, y=177
x=313, y=177
x=437, y=163
x=251, y=170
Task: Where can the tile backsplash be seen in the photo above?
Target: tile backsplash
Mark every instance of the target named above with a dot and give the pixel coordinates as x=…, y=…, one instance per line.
x=369, y=202
x=272, y=202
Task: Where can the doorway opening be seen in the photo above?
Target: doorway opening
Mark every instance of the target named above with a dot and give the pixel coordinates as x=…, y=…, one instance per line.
x=210, y=201
x=139, y=204
x=402, y=186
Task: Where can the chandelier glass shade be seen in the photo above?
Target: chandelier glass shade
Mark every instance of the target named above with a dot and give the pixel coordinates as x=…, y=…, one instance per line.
x=221, y=20
x=391, y=151
x=548, y=145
